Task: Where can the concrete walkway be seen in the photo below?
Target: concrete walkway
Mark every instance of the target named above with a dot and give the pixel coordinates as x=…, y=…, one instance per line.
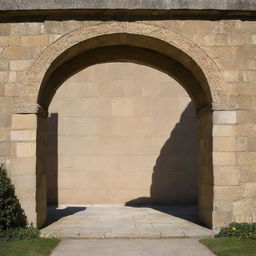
x=124, y=222
x=131, y=247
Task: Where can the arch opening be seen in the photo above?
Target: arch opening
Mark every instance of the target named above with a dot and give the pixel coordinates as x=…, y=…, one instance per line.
x=139, y=49
x=151, y=52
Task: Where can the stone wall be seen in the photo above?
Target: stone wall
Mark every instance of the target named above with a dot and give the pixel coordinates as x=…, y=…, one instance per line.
x=231, y=44
x=124, y=132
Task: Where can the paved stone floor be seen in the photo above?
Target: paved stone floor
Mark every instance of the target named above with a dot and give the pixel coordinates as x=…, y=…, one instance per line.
x=131, y=247
x=124, y=222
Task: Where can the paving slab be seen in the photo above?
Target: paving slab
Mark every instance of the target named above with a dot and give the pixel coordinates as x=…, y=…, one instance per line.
x=124, y=222
x=131, y=247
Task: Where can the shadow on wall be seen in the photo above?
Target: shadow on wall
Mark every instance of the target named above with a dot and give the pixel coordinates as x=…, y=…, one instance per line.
x=52, y=161
x=174, y=178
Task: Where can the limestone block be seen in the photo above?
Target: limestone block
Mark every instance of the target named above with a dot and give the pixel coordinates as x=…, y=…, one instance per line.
x=123, y=195
x=224, y=117
x=25, y=149
x=249, y=76
x=24, y=182
x=224, y=158
x=246, y=52
x=223, y=206
x=231, y=75
x=21, y=53
x=20, y=65
x=220, y=39
x=4, y=76
x=4, y=65
x=204, y=40
x=246, y=130
x=24, y=121
x=26, y=195
x=224, y=130
x=243, y=205
x=242, y=101
x=23, y=166
x=222, y=51
x=65, y=195
x=5, y=120
x=53, y=38
x=2, y=88
x=223, y=144
x=16, y=76
x=248, y=173
x=38, y=41
x=249, y=190
x=142, y=179
x=246, y=158
x=238, y=39
x=3, y=41
x=243, y=216
x=241, y=144
x=4, y=134
x=252, y=64
x=111, y=88
x=79, y=195
x=5, y=148
x=70, y=107
x=5, y=29
x=122, y=107
x=226, y=175
x=77, y=179
x=23, y=135
x=14, y=40
x=221, y=219
x=26, y=28
x=251, y=144
x=226, y=193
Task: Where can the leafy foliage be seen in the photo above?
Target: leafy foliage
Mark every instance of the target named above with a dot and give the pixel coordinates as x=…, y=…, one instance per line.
x=19, y=233
x=239, y=230
x=11, y=213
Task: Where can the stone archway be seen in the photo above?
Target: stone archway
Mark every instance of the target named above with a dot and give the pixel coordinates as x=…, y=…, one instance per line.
x=150, y=45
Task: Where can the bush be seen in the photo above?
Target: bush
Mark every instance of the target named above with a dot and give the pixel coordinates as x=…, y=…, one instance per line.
x=11, y=213
x=239, y=230
x=19, y=233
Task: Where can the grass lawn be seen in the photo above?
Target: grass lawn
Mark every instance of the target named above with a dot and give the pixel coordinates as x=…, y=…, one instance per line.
x=33, y=247
x=230, y=246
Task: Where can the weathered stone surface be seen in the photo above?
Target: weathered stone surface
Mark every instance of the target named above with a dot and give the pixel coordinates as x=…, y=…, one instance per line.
x=224, y=117
x=249, y=190
x=224, y=144
x=23, y=135
x=226, y=193
x=224, y=158
x=24, y=121
x=21, y=53
x=223, y=49
x=160, y=4
x=25, y=149
x=226, y=175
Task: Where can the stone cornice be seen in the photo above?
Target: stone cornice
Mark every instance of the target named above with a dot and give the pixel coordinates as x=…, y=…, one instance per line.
x=238, y=5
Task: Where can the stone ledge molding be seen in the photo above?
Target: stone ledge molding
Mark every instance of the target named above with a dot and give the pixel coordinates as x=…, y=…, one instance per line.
x=17, y=5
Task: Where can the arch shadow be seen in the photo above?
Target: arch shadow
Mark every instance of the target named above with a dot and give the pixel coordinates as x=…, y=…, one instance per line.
x=174, y=179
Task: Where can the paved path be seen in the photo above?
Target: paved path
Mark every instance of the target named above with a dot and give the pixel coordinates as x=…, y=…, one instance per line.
x=131, y=247
x=125, y=222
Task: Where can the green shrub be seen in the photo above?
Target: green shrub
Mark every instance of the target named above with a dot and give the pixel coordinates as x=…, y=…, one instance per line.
x=239, y=230
x=19, y=233
x=11, y=213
